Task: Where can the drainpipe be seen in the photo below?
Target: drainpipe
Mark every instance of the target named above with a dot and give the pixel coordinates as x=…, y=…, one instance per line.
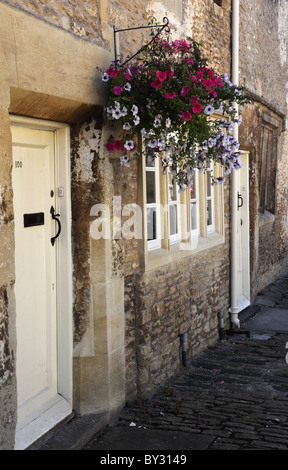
x=235, y=80
x=183, y=340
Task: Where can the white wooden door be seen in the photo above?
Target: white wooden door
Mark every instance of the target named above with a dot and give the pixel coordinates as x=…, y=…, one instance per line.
x=243, y=257
x=37, y=362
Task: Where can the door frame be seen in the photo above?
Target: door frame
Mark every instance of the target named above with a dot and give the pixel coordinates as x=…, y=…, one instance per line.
x=63, y=270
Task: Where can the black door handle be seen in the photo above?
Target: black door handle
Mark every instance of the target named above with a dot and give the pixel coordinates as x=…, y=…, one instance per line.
x=55, y=217
x=240, y=201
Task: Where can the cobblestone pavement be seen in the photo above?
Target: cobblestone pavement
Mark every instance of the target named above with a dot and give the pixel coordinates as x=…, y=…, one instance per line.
x=233, y=396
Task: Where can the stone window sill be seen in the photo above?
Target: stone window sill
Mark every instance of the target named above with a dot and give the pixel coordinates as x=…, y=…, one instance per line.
x=160, y=257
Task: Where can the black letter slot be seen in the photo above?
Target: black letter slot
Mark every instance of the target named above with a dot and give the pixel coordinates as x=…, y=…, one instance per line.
x=31, y=220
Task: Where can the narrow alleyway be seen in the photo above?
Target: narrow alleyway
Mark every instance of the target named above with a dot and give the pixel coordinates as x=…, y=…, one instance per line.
x=233, y=396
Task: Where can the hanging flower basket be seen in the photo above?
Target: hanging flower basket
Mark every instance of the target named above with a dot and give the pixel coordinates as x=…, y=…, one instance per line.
x=168, y=95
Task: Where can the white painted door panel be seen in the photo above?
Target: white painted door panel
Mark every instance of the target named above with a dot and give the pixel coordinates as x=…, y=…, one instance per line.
x=35, y=264
x=243, y=256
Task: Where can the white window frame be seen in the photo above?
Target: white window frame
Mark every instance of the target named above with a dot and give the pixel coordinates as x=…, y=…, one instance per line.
x=195, y=232
x=174, y=238
x=154, y=243
x=211, y=198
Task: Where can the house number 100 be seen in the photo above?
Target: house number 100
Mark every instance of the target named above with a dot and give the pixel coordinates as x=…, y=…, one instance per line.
x=18, y=164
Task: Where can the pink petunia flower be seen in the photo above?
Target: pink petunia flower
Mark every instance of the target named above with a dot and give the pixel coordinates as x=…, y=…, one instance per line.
x=160, y=75
x=168, y=74
x=118, y=145
x=117, y=90
x=185, y=90
x=170, y=95
x=207, y=83
x=112, y=72
x=156, y=84
x=128, y=74
x=189, y=61
x=110, y=147
x=186, y=116
x=197, y=108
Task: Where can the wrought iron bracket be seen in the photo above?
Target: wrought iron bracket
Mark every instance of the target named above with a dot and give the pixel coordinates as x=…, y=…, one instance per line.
x=165, y=26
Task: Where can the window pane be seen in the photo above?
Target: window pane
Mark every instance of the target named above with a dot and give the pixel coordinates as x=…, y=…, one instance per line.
x=208, y=175
x=150, y=187
x=173, y=219
x=172, y=187
x=209, y=213
x=151, y=223
x=193, y=209
x=193, y=188
x=150, y=161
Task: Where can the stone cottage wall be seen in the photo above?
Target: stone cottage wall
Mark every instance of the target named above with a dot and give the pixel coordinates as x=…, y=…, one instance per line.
x=263, y=70
x=183, y=296
x=7, y=301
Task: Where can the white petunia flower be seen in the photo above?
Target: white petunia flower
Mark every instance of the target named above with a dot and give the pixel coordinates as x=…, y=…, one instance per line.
x=153, y=143
x=126, y=126
x=209, y=109
x=168, y=122
x=129, y=145
x=157, y=122
x=127, y=87
x=134, y=109
x=116, y=113
x=124, y=160
x=105, y=77
x=136, y=120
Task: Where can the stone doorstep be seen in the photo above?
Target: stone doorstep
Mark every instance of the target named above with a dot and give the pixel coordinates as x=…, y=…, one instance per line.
x=73, y=435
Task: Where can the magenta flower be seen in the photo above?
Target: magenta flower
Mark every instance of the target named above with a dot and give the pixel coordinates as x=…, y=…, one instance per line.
x=189, y=61
x=186, y=116
x=170, y=96
x=168, y=73
x=207, y=83
x=118, y=145
x=156, y=84
x=110, y=147
x=193, y=79
x=160, y=75
x=117, y=90
x=197, y=108
x=112, y=72
x=185, y=90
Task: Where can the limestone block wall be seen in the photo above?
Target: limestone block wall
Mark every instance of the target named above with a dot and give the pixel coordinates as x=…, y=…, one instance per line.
x=263, y=64
x=7, y=300
x=113, y=291
x=161, y=305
